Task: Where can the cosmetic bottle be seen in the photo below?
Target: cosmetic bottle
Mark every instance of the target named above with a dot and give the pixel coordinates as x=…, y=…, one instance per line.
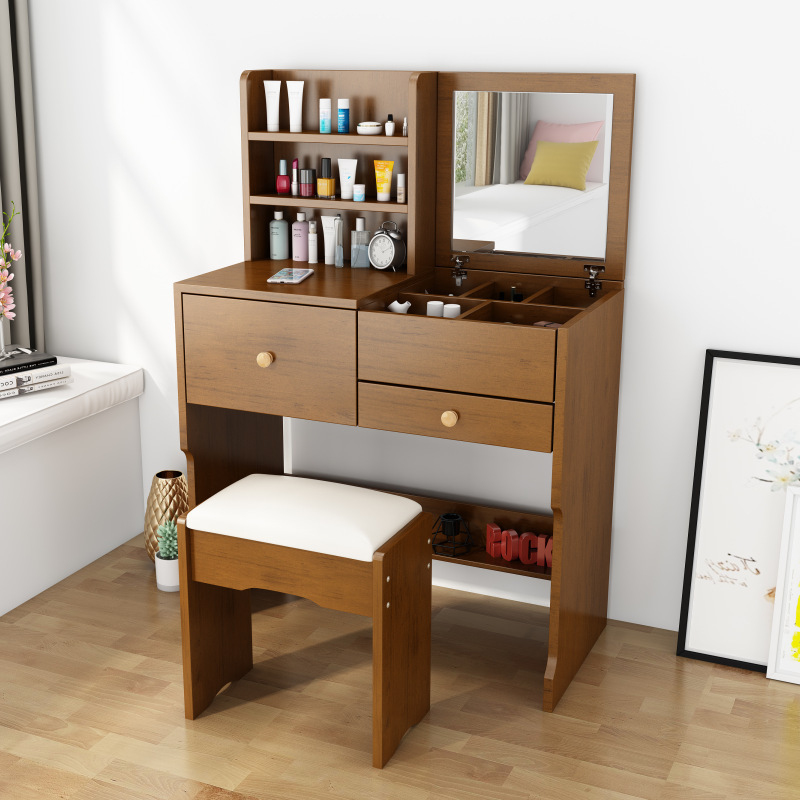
x=390, y=126
x=405, y=126
x=325, y=115
x=306, y=183
x=401, y=187
x=359, y=244
x=344, y=116
x=295, y=184
x=359, y=192
x=300, y=238
x=326, y=186
x=313, y=246
x=338, y=241
x=282, y=182
x=278, y=238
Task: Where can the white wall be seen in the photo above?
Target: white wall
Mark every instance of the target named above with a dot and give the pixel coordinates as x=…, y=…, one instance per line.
x=138, y=133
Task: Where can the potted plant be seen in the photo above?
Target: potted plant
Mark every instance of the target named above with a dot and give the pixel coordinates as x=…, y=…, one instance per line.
x=167, y=557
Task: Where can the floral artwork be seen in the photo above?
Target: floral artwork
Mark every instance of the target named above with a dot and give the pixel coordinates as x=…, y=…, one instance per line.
x=8, y=255
x=748, y=455
x=784, y=654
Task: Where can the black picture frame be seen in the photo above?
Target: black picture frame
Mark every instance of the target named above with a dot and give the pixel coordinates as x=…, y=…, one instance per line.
x=712, y=359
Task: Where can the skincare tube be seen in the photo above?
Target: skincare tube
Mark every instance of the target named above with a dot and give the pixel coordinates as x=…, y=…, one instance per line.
x=330, y=241
x=347, y=177
x=295, y=90
x=273, y=92
x=383, y=179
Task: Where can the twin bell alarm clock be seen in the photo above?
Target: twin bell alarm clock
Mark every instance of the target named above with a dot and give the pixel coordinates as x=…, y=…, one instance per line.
x=387, y=250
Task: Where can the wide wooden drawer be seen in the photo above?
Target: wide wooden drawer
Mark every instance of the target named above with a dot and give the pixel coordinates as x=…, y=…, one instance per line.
x=312, y=376
x=486, y=420
x=514, y=361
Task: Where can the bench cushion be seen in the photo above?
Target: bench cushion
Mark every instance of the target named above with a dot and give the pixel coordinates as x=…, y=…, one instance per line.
x=319, y=516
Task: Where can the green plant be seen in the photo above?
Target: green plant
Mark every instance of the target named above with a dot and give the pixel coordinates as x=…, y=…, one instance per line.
x=167, y=535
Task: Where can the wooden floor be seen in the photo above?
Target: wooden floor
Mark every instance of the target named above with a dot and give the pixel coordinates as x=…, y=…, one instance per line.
x=91, y=708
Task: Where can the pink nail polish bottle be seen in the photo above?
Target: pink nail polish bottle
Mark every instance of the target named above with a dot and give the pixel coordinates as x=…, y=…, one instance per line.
x=282, y=184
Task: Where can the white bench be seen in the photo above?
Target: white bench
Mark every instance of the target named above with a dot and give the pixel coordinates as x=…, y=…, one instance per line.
x=343, y=547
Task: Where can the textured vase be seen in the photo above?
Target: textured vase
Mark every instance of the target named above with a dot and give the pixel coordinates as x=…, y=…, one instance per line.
x=168, y=499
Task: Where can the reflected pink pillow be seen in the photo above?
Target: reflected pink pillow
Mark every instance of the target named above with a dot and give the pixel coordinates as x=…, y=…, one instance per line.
x=556, y=132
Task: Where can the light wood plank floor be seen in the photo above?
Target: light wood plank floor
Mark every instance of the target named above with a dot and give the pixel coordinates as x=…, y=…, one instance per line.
x=91, y=708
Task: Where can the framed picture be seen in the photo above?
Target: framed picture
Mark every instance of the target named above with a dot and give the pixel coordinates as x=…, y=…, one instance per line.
x=784, y=647
x=748, y=455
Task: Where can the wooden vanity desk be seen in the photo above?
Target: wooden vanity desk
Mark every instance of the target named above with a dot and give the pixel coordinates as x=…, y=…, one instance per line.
x=250, y=353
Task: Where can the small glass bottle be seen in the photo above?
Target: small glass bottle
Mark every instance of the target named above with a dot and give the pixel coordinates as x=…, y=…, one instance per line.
x=401, y=188
x=279, y=238
x=326, y=185
x=300, y=238
x=282, y=183
x=313, y=246
x=338, y=241
x=359, y=244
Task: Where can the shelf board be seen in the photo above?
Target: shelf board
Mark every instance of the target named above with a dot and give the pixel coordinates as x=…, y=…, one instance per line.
x=315, y=202
x=328, y=138
x=480, y=558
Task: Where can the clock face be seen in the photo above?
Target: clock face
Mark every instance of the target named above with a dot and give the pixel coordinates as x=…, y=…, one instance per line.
x=381, y=252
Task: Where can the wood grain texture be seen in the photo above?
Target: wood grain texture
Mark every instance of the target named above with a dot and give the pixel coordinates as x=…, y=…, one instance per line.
x=457, y=356
x=584, y=448
x=216, y=635
x=486, y=420
x=637, y=723
x=313, y=374
x=401, y=636
x=329, y=581
x=621, y=86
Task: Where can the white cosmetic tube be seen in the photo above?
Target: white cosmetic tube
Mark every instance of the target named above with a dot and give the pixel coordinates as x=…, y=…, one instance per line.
x=347, y=177
x=295, y=90
x=273, y=91
x=330, y=239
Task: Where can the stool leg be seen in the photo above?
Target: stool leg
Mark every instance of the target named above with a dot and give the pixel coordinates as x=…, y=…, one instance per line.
x=216, y=633
x=401, y=637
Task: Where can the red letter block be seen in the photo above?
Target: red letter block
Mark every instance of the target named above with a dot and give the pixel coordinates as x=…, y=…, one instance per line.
x=527, y=548
x=544, y=553
x=493, y=544
x=510, y=545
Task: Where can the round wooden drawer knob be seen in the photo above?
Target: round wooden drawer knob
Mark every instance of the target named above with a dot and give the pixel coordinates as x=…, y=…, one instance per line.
x=264, y=359
x=449, y=418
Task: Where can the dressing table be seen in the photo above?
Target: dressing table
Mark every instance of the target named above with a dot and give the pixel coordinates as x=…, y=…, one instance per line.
x=250, y=353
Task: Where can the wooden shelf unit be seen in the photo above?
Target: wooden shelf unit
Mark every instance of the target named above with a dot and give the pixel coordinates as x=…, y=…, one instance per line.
x=372, y=95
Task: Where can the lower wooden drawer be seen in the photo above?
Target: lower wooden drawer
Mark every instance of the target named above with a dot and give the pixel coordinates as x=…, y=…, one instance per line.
x=485, y=420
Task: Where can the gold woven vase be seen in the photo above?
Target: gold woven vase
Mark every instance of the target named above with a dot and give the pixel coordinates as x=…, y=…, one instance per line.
x=168, y=499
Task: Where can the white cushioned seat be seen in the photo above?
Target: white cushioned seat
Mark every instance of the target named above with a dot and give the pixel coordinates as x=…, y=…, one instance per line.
x=306, y=514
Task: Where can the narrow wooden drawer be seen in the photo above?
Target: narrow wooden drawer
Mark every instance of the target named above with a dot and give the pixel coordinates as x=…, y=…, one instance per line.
x=486, y=420
x=454, y=355
x=312, y=376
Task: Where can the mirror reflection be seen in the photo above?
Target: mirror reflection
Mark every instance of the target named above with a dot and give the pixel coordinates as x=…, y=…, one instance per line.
x=531, y=172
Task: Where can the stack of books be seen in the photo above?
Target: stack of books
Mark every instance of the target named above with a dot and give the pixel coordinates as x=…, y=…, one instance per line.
x=24, y=373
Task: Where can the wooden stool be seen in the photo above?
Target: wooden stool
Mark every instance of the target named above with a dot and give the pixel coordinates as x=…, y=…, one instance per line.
x=342, y=547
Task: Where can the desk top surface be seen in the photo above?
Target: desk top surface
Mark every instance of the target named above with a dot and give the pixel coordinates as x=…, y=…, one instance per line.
x=328, y=286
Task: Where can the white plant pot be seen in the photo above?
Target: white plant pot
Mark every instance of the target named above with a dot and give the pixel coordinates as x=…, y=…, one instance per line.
x=167, y=574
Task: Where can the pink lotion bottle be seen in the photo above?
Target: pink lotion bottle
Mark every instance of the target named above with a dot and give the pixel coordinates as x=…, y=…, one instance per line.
x=300, y=238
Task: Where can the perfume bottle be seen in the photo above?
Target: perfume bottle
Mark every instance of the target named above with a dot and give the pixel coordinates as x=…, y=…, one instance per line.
x=278, y=238
x=359, y=246
x=338, y=239
x=282, y=183
x=300, y=238
x=326, y=185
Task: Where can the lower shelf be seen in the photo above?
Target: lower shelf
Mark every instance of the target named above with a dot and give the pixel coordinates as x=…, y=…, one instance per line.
x=480, y=558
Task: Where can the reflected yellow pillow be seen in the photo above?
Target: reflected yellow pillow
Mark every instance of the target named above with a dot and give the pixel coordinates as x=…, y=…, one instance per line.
x=561, y=164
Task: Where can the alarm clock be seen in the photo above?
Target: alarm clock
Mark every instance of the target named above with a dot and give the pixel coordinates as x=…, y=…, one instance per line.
x=387, y=250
